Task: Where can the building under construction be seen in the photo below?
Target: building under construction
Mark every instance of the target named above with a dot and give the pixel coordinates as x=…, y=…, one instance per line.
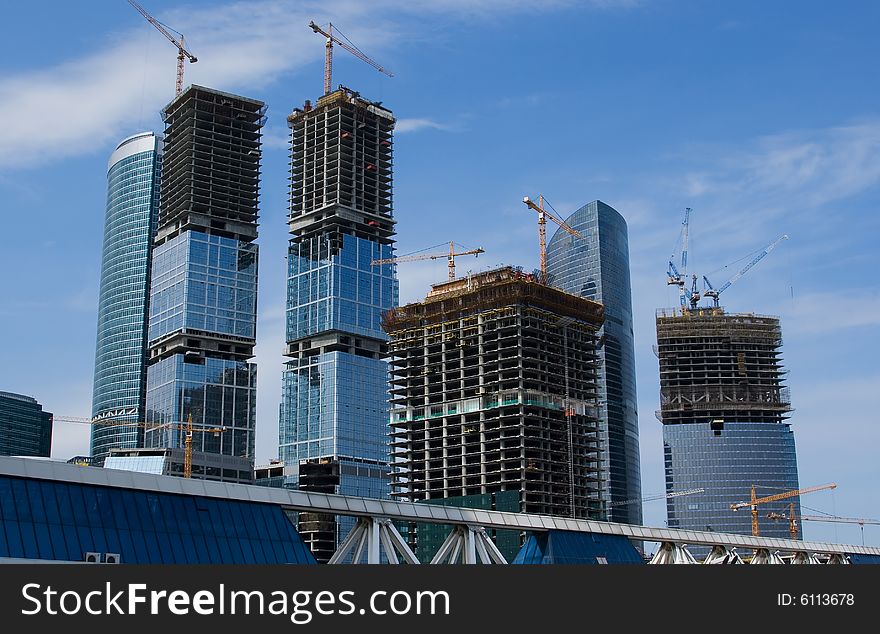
x=493, y=392
x=724, y=405
x=203, y=296
x=333, y=428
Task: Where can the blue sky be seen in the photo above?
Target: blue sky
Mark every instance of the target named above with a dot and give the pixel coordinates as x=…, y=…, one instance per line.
x=762, y=117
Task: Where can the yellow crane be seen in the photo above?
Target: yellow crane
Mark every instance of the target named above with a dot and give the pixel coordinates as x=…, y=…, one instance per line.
x=792, y=520
x=187, y=440
x=450, y=258
x=348, y=46
x=755, y=501
x=543, y=214
x=179, y=42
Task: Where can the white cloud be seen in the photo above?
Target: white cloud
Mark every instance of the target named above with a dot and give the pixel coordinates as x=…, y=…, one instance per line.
x=402, y=126
x=84, y=104
x=276, y=137
x=803, y=168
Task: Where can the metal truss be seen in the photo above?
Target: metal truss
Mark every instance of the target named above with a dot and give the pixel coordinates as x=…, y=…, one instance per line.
x=465, y=544
x=370, y=537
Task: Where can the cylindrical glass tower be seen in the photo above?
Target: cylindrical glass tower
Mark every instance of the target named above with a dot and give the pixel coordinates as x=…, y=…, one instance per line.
x=120, y=354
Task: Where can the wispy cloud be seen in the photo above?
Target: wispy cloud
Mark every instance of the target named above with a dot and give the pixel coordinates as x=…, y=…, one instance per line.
x=276, y=137
x=797, y=168
x=84, y=104
x=402, y=126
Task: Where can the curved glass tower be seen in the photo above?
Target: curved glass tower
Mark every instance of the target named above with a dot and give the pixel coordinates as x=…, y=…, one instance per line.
x=597, y=267
x=132, y=209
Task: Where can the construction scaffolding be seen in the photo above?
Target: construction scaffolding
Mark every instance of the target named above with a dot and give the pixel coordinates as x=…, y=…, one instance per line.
x=720, y=366
x=494, y=389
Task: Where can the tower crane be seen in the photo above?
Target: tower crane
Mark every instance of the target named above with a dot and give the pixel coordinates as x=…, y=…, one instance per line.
x=792, y=520
x=188, y=428
x=543, y=214
x=450, y=258
x=755, y=501
x=179, y=42
x=651, y=498
x=348, y=46
x=714, y=293
x=673, y=275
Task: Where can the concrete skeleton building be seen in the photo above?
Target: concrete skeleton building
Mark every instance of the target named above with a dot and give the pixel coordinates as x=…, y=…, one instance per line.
x=724, y=407
x=493, y=394
x=333, y=421
x=119, y=391
x=202, y=324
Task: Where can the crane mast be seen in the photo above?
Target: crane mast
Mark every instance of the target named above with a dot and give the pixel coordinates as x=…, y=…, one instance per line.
x=755, y=501
x=332, y=39
x=673, y=275
x=543, y=214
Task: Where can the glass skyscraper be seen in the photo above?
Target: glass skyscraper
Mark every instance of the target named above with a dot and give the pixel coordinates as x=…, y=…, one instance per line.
x=120, y=355
x=25, y=429
x=726, y=459
x=597, y=267
x=202, y=324
x=334, y=415
x=724, y=405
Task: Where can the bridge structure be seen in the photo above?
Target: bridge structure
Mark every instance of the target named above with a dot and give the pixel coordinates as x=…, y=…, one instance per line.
x=375, y=537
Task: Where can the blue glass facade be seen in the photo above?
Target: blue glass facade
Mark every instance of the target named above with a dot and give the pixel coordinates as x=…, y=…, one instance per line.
x=335, y=403
x=726, y=459
x=205, y=283
x=25, y=429
x=120, y=355
x=597, y=267
x=203, y=298
x=336, y=406
x=50, y=520
x=564, y=547
x=216, y=392
x=331, y=288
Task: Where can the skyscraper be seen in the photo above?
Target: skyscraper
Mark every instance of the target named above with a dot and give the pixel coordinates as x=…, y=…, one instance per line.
x=724, y=407
x=334, y=388
x=203, y=299
x=493, y=396
x=25, y=429
x=597, y=267
x=120, y=353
